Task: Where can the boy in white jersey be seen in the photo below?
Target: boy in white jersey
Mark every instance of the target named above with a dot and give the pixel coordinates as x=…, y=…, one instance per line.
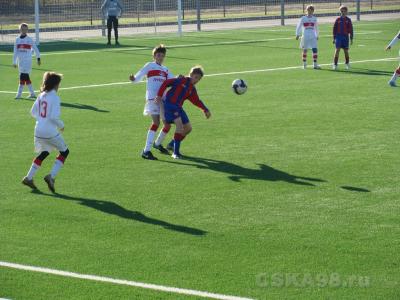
x=46, y=111
x=396, y=74
x=307, y=28
x=23, y=47
x=156, y=74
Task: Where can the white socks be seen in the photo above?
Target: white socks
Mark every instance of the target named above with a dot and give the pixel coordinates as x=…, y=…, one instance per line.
x=20, y=89
x=160, y=138
x=56, y=168
x=149, y=141
x=32, y=171
x=31, y=89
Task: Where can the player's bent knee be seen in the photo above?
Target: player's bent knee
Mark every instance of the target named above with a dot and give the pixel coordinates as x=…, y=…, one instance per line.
x=42, y=156
x=64, y=153
x=314, y=50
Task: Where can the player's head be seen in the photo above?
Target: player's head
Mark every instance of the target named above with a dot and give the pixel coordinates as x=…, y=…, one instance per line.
x=51, y=81
x=159, y=53
x=196, y=73
x=310, y=9
x=343, y=10
x=23, y=28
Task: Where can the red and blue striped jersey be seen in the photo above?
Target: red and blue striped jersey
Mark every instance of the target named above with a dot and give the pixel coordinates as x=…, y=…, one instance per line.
x=343, y=26
x=181, y=89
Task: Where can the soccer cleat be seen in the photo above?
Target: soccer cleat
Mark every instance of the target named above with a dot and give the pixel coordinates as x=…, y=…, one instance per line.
x=109, y=43
x=160, y=148
x=33, y=96
x=317, y=67
x=50, y=183
x=18, y=97
x=392, y=83
x=29, y=182
x=117, y=43
x=347, y=66
x=334, y=67
x=148, y=155
x=176, y=156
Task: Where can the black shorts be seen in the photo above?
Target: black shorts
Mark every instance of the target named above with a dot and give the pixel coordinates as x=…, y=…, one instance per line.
x=24, y=78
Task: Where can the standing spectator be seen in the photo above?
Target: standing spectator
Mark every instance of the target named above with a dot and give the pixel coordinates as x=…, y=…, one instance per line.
x=112, y=10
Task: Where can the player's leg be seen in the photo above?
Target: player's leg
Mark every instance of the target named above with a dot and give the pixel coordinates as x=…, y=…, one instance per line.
x=396, y=75
x=315, y=58
x=30, y=87
x=109, y=27
x=347, y=57
x=58, y=164
x=163, y=133
x=37, y=162
x=178, y=137
x=336, y=58
x=151, y=133
x=304, y=58
x=20, y=86
x=115, y=25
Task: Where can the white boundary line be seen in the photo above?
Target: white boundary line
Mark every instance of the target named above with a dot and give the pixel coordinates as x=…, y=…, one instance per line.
x=182, y=45
x=218, y=74
x=149, y=286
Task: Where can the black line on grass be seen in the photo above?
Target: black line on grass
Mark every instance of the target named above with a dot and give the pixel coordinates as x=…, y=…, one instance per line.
x=355, y=189
x=78, y=106
x=115, y=209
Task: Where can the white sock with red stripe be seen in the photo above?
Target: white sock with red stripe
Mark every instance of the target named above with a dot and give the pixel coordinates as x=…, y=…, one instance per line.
x=162, y=135
x=151, y=134
x=57, y=166
x=30, y=87
x=396, y=74
x=20, y=89
x=34, y=167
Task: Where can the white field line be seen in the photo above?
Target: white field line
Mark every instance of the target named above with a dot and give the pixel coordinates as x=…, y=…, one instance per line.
x=217, y=74
x=149, y=286
x=181, y=46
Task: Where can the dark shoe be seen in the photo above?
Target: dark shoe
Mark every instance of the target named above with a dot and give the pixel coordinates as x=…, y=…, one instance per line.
x=50, y=183
x=29, y=183
x=148, y=155
x=161, y=149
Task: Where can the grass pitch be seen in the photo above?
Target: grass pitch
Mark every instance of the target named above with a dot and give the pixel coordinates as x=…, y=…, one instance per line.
x=288, y=192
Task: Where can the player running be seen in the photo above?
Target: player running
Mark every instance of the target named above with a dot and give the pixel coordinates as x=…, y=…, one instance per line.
x=307, y=28
x=181, y=89
x=396, y=74
x=156, y=74
x=46, y=111
x=342, y=32
x=23, y=47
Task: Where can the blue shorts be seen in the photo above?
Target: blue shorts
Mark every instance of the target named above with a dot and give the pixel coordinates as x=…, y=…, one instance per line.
x=172, y=112
x=342, y=41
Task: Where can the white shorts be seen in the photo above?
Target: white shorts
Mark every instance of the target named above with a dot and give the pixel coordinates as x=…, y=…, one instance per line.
x=50, y=144
x=308, y=43
x=151, y=108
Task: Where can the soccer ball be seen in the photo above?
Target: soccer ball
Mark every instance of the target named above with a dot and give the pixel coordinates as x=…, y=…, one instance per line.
x=239, y=86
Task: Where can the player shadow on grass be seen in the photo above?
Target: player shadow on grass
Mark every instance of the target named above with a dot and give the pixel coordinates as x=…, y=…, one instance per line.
x=115, y=209
x=79, y=106
x=362, y=71
x=237, y=173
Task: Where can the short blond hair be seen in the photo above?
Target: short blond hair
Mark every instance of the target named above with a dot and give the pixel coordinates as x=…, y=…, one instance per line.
x=22, y=25
x=197, y=70
x=310, y=7
x=343, y=7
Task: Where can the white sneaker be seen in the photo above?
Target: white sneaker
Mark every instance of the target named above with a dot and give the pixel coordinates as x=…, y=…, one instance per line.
x=347, y=66
x=18, y=97
x=176, y=156
x=334, y=67
x=33, y=96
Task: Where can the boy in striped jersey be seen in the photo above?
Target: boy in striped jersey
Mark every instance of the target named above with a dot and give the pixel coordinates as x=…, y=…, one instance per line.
x=156, y=74
x=181, y=89
x=342, y=31
x=23, y=47
x=396, y=74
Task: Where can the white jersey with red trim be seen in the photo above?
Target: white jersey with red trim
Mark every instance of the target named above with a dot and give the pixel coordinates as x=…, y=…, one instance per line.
x=23, y=47
x=46, y=110
x=395, y=40
x=156, y=74
x=307, y=27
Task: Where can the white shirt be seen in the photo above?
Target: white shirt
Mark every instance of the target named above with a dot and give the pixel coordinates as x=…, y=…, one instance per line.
x=23, y=48
x=307, y=27
x=46, y=111
x=156, y=74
